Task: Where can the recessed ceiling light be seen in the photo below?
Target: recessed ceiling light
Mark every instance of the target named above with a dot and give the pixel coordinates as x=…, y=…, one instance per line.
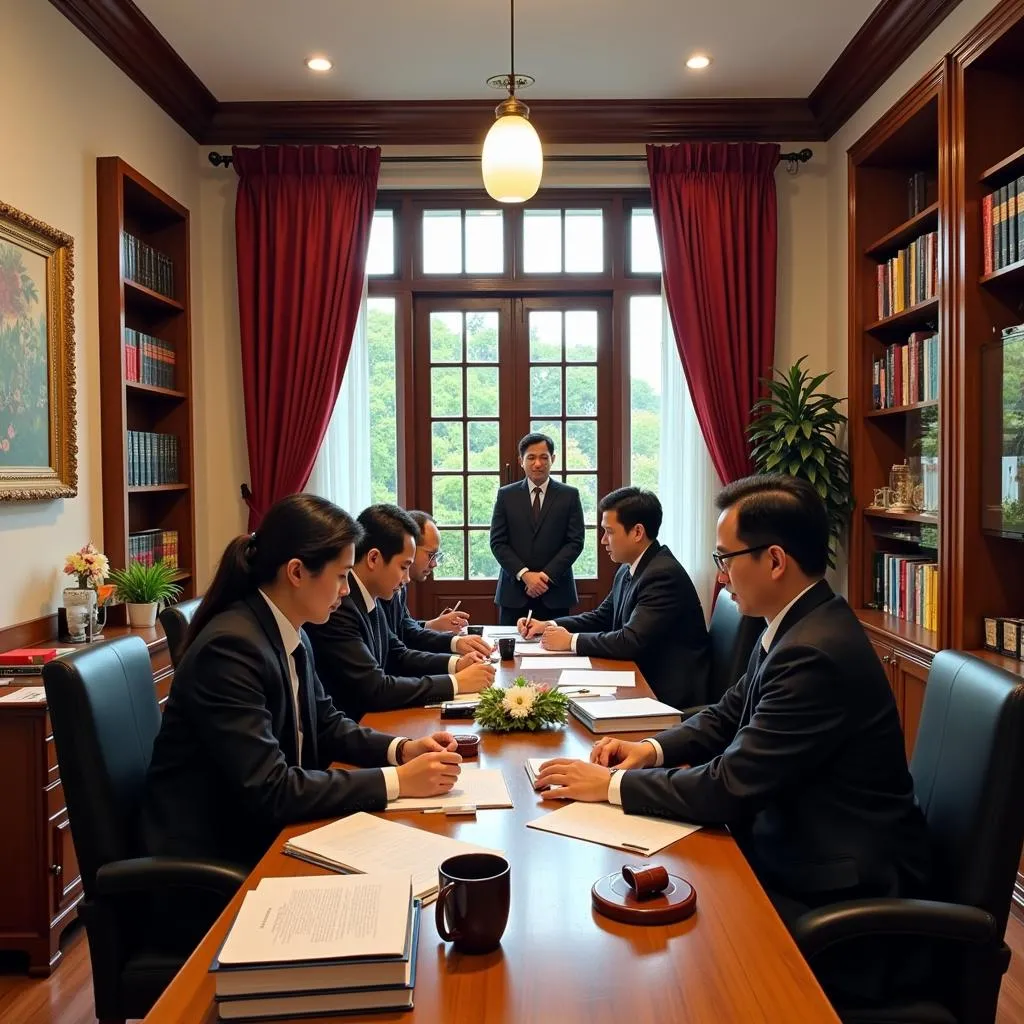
x=319, y=64
x=698, y=62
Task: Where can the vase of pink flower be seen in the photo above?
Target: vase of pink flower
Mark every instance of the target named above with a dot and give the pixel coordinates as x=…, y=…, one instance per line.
x=81, y=603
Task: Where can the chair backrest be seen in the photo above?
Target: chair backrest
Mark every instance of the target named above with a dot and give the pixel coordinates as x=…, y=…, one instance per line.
x=732, y=636
x=105, y=717
x=176, y=619
x=968, y=770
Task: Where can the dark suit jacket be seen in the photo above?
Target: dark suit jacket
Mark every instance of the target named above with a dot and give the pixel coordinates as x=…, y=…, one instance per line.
x=412, y=633
x=365, y=667
x=551, y=546
x=655, y=619
x=224, y=778
x=803, y=758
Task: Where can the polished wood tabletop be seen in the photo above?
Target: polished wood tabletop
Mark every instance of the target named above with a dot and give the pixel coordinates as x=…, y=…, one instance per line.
x=560, y=962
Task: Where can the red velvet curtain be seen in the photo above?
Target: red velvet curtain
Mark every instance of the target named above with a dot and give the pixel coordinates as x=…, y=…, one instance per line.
x=302, y=229
x=717, y=220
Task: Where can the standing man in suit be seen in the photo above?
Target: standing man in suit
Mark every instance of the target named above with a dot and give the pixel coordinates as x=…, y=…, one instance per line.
x=439, y=634
x=536, y=535
x=652, y=616
x=804, y=757
x=364, y=666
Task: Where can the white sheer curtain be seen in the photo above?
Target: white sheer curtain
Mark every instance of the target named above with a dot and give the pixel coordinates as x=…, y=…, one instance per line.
x=341, y=472
x=686, y=477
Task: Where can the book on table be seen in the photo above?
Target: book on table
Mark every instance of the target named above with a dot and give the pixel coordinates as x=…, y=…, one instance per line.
x=637, y=714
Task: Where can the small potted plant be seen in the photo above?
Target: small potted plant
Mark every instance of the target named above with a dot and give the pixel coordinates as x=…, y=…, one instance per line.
x=524, y=706
x=143, y=587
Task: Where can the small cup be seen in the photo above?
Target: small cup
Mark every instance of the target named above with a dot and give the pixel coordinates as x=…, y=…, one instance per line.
x=475, y=630
x=507, y=647
x=467, y=744
x=473, y=898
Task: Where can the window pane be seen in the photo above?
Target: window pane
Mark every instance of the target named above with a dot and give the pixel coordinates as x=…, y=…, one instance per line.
x=542, y=241
x=645, y=353
x=586, y=564
x=482, y=564
x=442, y=241
x=545, y=336
x=380, y=347
x=446, y=337
x=448, y=501
x=482, y=490
x=584, y=241
x=581, y=390
x=482, y=391
x=644, y=254
x=446, y=391
x=453, y=565
x=485, y=244
x=483, y=444
x=581, y=336
x=482, y=337
x=380, y=257
x=581, y=444
x=553, y=429
x=545, y=390
x=587, y=486
x=447, y=445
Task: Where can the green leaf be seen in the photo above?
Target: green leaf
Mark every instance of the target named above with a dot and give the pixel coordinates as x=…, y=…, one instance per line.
x=790, y=434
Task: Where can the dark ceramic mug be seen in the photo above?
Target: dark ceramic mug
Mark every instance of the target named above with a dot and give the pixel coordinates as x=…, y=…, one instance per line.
x=472, y=901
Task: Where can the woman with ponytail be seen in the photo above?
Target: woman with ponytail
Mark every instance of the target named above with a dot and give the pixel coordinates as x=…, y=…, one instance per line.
x=248, y=733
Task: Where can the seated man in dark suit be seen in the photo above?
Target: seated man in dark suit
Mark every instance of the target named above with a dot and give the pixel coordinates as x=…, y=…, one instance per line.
x=363, y=665
x=652, y=615
x=536, y=535
x=803, y=758
x=439, y=635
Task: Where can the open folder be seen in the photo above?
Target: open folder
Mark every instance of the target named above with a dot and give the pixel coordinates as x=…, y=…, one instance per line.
x=611, y=826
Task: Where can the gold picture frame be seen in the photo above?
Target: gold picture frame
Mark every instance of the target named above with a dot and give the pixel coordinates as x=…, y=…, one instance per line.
x=38, y=434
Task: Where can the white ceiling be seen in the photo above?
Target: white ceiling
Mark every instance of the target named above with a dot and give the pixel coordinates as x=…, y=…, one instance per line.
x=446, y=49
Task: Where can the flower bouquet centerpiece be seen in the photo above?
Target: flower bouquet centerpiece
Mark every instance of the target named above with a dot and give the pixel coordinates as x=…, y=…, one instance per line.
x=522, y=706
x=90, y=568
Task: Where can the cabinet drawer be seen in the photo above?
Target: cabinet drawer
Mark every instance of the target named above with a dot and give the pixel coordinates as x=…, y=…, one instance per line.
x=54, y=800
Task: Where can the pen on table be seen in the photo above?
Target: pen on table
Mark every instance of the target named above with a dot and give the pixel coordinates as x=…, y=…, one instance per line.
x=455, y=809
x=529, y=615
x=625, y=846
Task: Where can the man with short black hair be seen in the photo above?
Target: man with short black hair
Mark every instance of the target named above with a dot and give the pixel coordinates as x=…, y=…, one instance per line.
x=536, y=535
x=360, y=661
x=652, y=616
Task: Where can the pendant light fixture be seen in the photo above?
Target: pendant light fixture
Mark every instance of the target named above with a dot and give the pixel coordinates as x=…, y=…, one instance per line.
x=512, y=162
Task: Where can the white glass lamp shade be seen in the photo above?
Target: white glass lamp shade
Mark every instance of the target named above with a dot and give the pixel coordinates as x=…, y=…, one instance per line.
x=513, y=161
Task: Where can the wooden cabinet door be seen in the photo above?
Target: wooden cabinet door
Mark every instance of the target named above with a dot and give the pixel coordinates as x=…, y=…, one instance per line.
x=887, y=656
x=67, y=880
x=912, y=676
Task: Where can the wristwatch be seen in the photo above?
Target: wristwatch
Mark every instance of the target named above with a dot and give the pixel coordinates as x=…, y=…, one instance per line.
x=400, y=751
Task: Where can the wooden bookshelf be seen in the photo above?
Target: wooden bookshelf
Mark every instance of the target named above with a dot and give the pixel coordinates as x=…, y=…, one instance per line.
x=126, y=201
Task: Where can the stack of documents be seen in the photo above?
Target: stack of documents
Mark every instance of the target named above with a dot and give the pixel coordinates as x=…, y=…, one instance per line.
x=319, y=946
x=638, y=714
x=548, y=661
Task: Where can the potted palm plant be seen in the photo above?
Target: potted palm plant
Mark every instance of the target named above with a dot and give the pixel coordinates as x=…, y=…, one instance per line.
x=143, y=587
x=796, y=431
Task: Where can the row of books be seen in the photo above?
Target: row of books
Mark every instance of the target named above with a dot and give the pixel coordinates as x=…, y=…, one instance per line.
x=910, y=277
x=907, y=586
x=1002, y=226
x=152, y=458
x=1005, y=635
x=917, y=193
x=148, y=360
x=151, y=546
x=907, y=373
x=144, y=265
x=29, y=661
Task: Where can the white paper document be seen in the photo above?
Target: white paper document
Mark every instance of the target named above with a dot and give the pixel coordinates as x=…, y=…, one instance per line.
x=364, y=843
x=611, y=826
x=591, y=678
x=533, y=649
x=532, y=765
x=588, y=692
x=477, y=787
x=321, y=917
x=538, y=664
x=493, y=632
x=25, y=695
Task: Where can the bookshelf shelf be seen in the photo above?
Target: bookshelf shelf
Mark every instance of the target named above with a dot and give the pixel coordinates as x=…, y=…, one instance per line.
x=139, y=294
x=906, y=517
x=920, y=224
x=901, y=410
x=156, y=392
x=1013, y=274
x=899, y=629
x=924, y=314
x=1009, y=167
x=157, y=488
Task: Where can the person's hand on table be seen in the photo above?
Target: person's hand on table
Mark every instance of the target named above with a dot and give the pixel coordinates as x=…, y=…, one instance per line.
x=610, y=752
x=577, y=780
x=528, y=630
x=555, y=638
x=466, y=644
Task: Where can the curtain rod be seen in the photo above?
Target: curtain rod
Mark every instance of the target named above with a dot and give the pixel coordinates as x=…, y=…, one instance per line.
x=793, y=159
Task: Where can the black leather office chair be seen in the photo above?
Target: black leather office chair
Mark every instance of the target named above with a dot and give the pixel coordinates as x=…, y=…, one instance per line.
x=176, y=619
x=105, y=717
x=968, y=769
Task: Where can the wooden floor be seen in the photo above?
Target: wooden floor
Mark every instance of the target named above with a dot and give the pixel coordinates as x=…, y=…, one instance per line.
x=66, y=997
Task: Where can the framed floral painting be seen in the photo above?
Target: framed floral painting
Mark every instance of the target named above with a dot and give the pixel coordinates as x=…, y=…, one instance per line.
x=38, y=450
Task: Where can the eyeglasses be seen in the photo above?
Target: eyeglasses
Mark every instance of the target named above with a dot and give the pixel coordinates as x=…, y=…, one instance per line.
x=721, y=557
x=434, y=557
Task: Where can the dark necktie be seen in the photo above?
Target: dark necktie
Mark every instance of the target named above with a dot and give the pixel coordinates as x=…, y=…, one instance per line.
x=299, y=654
x=536, y=505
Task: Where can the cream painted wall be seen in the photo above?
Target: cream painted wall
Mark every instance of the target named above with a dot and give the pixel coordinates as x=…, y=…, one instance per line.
x=67, y=105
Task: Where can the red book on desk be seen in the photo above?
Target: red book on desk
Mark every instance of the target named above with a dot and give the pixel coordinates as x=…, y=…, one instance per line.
x=29, y=656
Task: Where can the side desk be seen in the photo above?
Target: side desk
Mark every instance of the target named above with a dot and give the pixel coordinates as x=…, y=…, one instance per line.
x=559, y=960
x=40, y=884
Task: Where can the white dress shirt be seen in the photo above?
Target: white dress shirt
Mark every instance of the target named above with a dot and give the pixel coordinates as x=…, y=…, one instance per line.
x=632, y=573
x=615, y=785
x=543, y=494
x=291, y=640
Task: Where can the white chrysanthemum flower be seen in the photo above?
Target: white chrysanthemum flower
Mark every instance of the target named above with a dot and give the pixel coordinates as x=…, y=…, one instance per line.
x=518, y=700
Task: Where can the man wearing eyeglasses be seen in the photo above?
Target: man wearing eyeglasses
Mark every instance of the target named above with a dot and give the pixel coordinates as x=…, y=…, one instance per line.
x=437, y=635
x=804, y=757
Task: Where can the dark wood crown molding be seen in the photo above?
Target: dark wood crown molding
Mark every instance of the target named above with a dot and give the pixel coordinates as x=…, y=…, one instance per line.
x=129, y=39
x=132, y=42
x=890, y=35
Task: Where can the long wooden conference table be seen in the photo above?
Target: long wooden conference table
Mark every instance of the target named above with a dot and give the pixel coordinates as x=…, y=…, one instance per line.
x=560, y=962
